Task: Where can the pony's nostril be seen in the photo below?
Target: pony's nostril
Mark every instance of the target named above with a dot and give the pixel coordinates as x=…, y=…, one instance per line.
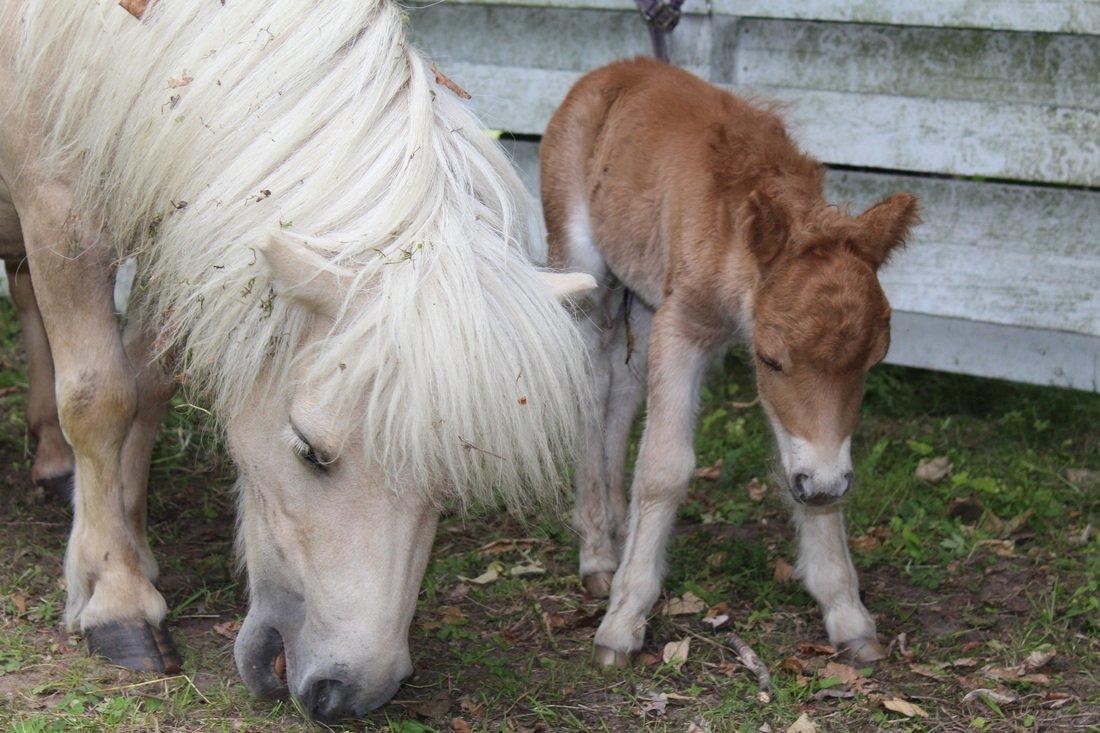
x=849, y=479
x=329, y=700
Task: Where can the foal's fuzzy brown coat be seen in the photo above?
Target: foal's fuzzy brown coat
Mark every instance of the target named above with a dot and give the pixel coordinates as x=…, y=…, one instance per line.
x=701, y=205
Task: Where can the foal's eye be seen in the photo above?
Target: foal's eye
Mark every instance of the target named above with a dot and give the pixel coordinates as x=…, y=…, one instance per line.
x=769, y=363
x=306, y=452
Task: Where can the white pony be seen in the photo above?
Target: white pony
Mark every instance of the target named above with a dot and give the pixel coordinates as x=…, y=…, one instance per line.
x=334, y=251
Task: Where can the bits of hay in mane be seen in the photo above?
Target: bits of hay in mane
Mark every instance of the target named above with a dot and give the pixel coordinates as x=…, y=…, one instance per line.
x=316, y=120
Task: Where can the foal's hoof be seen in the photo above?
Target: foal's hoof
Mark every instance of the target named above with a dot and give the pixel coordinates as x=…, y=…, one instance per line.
x=135, y=644
x=863, y=650
x=598, y=585
x=608, y=658
x=60, y=487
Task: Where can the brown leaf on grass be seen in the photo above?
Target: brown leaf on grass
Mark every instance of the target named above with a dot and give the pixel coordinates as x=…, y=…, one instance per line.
x=1005, y=528
x=1015, y=674
x=757, y=489
x=1001, y=548
x=685, y=605
x=228, y=629
x=717, y=615
x=471, y=706
x=452, y=616
x=445, y=81
x=709, y=473
x=532, y=567
x=1082, y=476
x=19, y=601
x=803, y=725
x=676, y=652
x=962, y=662
x=459, y=725
x=971, y=646
x=838, y=691
x=717, y=558
x=794, y=665
x=843, y=672
x=648, y=659
x=8, y=390
x=811, y=648
x=492, y=573
x=180, y=81
x=134, y=7
x=934, y=470
x=782, y=571
x=906, y=708
x=864, y=543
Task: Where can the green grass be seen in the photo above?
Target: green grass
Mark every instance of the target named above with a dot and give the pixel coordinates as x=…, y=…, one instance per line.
x=978, y=571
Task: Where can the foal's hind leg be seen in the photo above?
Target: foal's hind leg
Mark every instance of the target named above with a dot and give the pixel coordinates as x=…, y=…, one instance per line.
x=109, y=596
x=53, y=459
x=825, y=566
x=591, y=515
x=629, y=355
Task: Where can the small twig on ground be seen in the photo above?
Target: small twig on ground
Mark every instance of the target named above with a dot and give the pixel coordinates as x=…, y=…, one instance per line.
x=748, y=657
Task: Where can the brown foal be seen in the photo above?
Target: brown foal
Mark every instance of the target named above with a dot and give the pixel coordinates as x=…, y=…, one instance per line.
x=701, y=206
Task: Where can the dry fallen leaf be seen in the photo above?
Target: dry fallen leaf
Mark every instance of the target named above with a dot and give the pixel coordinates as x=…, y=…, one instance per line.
x=648, y=660
x=534, y=567
x=783, y=571
x=811, y=648
x=906, y=708
x=19, y=601
x=676, y=652
x=1080, y=476
x=803, y=725
x=1001, y=548
x=757, y=489
x=459, y=725
x=925, y=670
x=1000, y=697
x=492, y=573
x=846, y=674
x=964, y=662
x=794, y=665
x=864, y=543
x=498, y=546
x=1039, y=658
x=452, y=616
x=717, y=558
x=431, y=709
x=686, y=605
x=134, y=7
x=934, y=470
x=228, y=629
x=709, y=473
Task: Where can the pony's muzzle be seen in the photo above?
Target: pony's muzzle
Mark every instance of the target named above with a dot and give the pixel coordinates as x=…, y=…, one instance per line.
x=257, y=650
x=817, y=491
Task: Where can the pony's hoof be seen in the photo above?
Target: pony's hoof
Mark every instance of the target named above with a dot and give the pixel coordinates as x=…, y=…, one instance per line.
x=598, y=585
x=863, y=651
x=60, y=487
x=608, y=658
x=135, y=644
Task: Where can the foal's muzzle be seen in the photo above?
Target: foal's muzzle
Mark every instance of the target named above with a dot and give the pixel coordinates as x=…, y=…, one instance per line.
x=806, y=489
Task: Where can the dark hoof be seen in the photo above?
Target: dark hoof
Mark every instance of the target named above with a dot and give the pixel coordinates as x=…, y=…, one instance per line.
x=608, y=658
x=598, y=585
x=60, y=487
x=135, y=644
x=863, y=651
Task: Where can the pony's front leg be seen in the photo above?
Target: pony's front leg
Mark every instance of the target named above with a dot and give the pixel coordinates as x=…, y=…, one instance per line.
x=110, y=599
x=825, y=566
x=53, y=459
x=666, y=459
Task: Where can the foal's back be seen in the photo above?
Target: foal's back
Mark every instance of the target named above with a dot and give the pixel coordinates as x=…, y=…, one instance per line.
x=650, y=162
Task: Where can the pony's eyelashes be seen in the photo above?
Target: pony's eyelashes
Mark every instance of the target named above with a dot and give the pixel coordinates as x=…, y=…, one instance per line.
x=316, y=458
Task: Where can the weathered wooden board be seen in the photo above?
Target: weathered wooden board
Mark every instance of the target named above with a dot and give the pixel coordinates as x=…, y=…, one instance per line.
x=999, y=105
x=1044, y=16
x=1000, y=280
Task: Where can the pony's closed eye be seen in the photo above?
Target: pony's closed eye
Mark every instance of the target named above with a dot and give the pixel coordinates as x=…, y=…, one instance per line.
x=316, y=459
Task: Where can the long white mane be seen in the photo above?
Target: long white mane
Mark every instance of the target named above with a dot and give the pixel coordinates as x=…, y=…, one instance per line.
x=204, y=127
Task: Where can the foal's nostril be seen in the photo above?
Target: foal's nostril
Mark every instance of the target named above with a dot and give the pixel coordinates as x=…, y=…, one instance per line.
x=798, y=486
x=849, y=479
x=329, y=700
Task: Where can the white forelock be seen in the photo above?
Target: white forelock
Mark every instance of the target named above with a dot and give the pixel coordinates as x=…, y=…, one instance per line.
x=204, y=127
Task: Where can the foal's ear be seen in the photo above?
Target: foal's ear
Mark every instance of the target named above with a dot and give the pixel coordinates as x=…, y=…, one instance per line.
x=766, y=227
x=565, y=285
x=885, y=226
x=303, y=275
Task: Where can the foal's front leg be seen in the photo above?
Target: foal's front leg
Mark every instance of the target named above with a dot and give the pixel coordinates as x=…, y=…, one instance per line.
x=825, y=566
x=666, y=459
x=110, y=598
